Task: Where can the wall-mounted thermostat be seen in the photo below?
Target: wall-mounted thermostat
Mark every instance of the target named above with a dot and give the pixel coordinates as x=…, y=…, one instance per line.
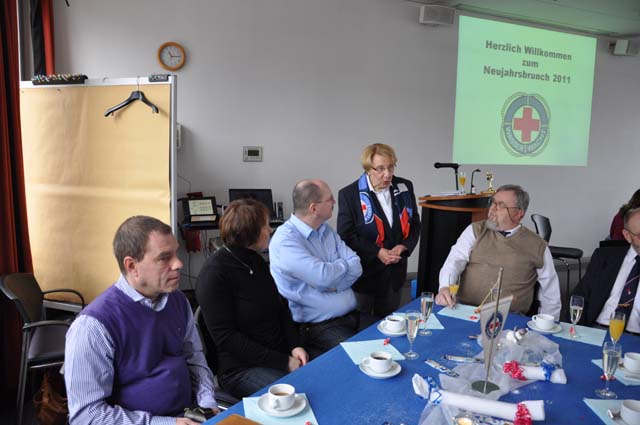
x=252, y=153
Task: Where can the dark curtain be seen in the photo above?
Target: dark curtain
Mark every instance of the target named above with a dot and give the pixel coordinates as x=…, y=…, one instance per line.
x=15, y=255
x=41, y=18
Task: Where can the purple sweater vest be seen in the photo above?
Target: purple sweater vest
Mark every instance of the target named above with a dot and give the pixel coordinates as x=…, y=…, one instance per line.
x=151, y=372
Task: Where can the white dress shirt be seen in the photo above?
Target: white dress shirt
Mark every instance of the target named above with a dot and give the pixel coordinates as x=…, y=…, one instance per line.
x=549, y=294
x=633, y=322
x=384, y=198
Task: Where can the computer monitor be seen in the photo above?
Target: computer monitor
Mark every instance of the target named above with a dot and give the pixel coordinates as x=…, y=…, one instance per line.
x=263, y=195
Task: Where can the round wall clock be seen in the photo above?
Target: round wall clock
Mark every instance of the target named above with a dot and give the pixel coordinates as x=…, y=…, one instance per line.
x=171, y=56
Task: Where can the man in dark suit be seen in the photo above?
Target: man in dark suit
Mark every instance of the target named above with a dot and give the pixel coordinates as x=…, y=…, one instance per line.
x=611, y=280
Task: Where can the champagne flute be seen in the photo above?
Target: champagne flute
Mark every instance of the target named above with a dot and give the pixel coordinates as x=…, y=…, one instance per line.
x=426, y=305
x=412, y=318
x=462, y=179
x=616, y=325
x=453, y=290
x=576, y=305
x=611, y=353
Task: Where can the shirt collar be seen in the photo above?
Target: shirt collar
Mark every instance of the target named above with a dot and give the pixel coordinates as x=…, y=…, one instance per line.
x=137, y=297
x=511, y=232
x=304, y=229
x=385, y=191
x=631, y=255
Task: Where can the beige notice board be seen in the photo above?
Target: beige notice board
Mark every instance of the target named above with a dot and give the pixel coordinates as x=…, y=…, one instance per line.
x=85, y=173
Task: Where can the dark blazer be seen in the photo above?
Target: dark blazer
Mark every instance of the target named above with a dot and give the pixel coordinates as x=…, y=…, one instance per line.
x=376, y=277
x=596, y=284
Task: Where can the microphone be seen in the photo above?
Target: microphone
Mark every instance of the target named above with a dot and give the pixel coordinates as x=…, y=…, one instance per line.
x=446, y=165
x=449, y=165
x=473, y=189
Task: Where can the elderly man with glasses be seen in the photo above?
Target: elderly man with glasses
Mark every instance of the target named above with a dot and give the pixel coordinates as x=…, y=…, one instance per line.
x=611, y=281
x=501, y=241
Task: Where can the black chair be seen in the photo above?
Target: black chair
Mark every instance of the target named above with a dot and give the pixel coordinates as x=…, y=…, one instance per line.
x=543, y=228
x=223, y=398
x=42, y=340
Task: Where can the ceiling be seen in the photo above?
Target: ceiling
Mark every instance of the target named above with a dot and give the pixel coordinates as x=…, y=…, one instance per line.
x=612, y=18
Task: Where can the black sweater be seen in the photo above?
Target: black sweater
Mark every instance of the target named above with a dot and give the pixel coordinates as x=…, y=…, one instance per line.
x=247, y=318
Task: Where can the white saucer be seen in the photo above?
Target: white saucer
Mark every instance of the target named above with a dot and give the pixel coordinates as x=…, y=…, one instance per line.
x=382, y=328
x=393, y=371
x=627, y=372
x=298, y=406
x=554, y=330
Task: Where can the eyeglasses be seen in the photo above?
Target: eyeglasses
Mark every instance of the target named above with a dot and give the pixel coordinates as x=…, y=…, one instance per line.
x=500, y=205
x=327, y=200
x=381, y=169
x=635, y=235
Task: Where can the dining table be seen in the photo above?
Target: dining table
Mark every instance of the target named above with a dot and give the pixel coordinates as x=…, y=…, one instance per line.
x=338, y=392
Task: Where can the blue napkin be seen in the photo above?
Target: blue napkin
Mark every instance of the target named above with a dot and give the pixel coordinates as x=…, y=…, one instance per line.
x=253, y=412
x=586, y=335
x=619, y=375
x=462, y=311
x=358, y=350
x=600, y=407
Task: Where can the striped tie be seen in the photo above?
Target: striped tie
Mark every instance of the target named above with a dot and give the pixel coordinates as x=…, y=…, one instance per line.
x=629, y=290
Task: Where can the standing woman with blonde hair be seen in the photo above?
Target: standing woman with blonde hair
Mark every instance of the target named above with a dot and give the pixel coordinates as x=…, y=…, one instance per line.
x=378, y=218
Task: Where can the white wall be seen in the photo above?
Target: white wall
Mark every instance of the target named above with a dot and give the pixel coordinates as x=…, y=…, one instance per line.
x=315, y=81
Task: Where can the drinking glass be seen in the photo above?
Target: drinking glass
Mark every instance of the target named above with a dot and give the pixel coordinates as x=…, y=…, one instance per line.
x=616, y=325
x=412, y=318
x=611, y=353
x=453, y=290
x=426, y=305
x=576, y=305
x=462, y=179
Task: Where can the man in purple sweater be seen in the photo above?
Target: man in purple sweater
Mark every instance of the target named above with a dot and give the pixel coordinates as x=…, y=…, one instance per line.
x=133, y=356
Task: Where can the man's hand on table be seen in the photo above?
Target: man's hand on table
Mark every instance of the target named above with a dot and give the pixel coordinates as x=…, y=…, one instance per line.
x=444, y=298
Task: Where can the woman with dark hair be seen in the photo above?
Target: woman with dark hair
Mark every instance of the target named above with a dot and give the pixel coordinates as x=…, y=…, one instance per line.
x=615, y=233
x=248, y=320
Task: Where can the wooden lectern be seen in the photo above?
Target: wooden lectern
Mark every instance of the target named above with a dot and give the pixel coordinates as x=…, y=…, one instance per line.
x=443, y=220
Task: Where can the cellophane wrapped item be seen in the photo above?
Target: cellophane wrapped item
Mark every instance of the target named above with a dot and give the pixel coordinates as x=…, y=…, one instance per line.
x=530, y=348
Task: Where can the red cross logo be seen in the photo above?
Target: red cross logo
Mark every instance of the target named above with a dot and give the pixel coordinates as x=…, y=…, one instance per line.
x=526, y=124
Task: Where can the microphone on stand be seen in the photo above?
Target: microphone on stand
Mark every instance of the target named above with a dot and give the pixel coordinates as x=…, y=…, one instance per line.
x=473, y=189
x=453, y=165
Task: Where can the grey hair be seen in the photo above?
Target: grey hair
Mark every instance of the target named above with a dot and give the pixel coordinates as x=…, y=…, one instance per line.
x=628, y=215
x=304, y=194
x=522, y=197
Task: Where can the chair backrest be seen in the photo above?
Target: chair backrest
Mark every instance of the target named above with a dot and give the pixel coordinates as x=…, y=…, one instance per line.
x=24, y=291
x=543, y=226
x=209, y=348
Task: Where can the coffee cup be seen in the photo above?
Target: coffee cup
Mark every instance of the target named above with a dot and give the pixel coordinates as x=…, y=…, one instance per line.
x=394, y=323
x=378, y=361
x=544, y=322
x=632, y=362
x=630, y=412
x=281, y=396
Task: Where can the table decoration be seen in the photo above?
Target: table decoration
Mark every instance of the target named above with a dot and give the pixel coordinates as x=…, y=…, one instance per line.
x=429, y=390
x=543, y=372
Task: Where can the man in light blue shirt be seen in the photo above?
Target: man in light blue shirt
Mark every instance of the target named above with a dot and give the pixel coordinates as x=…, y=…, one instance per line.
x=314, y=270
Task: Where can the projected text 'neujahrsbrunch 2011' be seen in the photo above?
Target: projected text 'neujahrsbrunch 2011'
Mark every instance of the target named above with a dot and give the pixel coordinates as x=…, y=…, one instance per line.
x=523, y=95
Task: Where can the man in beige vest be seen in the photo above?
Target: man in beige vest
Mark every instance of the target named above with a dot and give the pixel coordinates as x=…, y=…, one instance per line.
x=501, y=241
